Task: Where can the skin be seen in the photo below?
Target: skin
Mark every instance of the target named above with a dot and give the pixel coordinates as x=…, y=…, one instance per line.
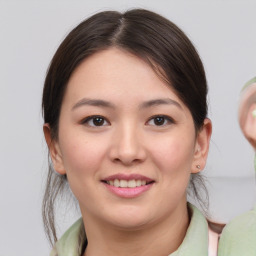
x=248, y=127
x=127, y=141
x=247, y=113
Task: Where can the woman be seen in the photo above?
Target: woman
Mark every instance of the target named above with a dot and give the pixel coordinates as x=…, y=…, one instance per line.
x=126, y=124
x=239, y=236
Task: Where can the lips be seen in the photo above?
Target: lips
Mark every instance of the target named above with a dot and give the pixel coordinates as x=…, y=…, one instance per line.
x=128, y=186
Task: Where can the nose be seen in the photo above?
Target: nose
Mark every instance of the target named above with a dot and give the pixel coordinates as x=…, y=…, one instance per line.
x=127, y=146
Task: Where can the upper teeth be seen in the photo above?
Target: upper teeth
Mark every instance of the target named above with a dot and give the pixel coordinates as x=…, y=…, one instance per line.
x=126, y=183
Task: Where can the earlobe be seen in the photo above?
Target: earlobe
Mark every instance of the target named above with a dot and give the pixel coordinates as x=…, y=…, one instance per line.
x=202, y=146
x=54, y=150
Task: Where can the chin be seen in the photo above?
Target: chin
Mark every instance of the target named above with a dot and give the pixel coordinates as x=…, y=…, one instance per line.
x=131, y=219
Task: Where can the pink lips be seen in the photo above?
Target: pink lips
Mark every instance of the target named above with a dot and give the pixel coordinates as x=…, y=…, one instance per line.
x=128, y=192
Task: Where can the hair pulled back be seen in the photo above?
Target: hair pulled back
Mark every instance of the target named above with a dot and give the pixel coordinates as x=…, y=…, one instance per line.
x=143, y=33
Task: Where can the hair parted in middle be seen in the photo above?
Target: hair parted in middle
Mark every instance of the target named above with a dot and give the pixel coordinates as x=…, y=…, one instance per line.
x=145, y=34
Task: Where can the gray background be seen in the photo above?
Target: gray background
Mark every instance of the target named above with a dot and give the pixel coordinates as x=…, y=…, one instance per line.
x=30, y=32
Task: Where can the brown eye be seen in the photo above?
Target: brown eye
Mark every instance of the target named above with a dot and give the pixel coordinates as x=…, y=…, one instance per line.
x=98, y=121
x=95, y=121
x=160, y=120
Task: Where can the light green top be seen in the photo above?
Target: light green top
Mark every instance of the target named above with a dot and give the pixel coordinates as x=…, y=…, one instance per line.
x=195, y=242
x=239, y=236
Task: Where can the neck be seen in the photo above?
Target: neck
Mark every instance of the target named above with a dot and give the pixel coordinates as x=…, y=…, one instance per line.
x=161, y=238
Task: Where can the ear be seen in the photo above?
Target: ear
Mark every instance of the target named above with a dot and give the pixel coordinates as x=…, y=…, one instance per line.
x=202, y=146
x=54, y=150
x=249, y=125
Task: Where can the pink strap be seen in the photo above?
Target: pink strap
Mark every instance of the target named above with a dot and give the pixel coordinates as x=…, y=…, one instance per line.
x=213, y=242
x=214, y=232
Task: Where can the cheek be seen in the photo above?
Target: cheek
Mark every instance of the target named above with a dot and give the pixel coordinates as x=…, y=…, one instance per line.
x=174, y=159
x=81, y=156
x=173, y=154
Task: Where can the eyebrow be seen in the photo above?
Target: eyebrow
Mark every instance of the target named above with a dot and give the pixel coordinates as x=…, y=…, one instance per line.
x=156, y=102
x=93, y=102
x=146, y=104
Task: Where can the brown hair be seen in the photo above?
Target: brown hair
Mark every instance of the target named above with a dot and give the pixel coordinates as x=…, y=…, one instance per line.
x=143, y=33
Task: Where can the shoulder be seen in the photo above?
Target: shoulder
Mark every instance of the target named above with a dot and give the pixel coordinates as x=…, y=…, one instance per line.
x=239, y=236
x=70, y=244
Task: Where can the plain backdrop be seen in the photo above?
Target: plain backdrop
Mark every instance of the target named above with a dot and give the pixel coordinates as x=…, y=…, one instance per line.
x=30, y=32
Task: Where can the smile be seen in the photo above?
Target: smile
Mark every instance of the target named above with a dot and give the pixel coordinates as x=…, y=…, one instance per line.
x=128, y=186
x=127, y=183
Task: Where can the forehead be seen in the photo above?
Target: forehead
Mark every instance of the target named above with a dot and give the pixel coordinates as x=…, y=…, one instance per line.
x=118, y=75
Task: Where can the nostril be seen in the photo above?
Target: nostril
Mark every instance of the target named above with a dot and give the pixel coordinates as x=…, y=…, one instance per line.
x=126, y=148
x=128, y=161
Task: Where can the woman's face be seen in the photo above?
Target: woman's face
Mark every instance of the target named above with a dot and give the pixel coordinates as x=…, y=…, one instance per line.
x=126, y=142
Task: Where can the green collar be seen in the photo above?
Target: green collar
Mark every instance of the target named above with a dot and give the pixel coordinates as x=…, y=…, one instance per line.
x=195, y=242
x=239, y=236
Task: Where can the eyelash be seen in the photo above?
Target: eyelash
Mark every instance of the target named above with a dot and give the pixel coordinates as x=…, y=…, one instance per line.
x=93, y=118
x=167, y=120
